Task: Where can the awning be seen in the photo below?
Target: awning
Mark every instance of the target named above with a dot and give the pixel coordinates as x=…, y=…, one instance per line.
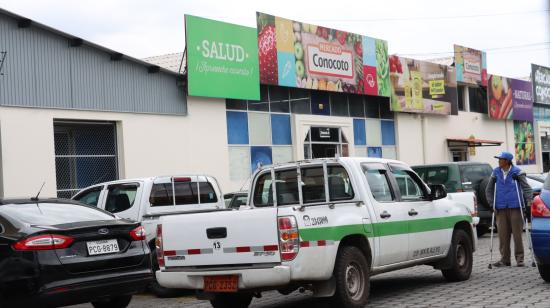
x=470, y=142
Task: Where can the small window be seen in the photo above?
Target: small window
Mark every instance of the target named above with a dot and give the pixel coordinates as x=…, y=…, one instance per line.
x=339, y=104
x=313, y=185
x=263, y=192
x=460, y=95
x=287, y=187
x=120, y=198
x=437, y=175
x=379, y=185
x=186, y=193
x=409, y=188
x=89, y=197
x=339, y=184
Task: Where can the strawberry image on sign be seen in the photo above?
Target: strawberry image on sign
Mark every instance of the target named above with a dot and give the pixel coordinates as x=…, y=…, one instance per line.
x=267, y=55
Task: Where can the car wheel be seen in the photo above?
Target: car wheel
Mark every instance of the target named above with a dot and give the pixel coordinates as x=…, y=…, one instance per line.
x=544, y=271
x=233, y=300
x=460, y=257
x=114, y=302
x=352, y=275
x=155, y=287
x=481, y=230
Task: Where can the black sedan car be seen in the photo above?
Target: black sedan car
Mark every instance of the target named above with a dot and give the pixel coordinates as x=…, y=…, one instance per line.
x=56, y=252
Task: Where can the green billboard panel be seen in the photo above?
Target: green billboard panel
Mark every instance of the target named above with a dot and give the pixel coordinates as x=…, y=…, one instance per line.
x=222, y=59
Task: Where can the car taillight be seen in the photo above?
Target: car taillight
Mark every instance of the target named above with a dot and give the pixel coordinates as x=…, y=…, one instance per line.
x=138, y=234
x=158, y=245
x=289, y=238
x=539, y=209
x=44, y=242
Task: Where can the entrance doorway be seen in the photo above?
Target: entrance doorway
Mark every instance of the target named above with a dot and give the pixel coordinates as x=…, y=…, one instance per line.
x=323, y=142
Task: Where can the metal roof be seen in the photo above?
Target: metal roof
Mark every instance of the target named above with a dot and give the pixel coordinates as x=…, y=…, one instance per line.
x=29, y=22
x=172, y=61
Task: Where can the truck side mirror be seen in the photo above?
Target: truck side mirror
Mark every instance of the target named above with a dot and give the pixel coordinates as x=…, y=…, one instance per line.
x=437, y=191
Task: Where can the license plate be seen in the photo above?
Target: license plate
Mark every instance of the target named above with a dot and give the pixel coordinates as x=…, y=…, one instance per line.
x=227, y=283
x=102, y=247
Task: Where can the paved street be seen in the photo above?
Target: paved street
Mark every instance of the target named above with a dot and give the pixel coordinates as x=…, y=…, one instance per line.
x=421, y=286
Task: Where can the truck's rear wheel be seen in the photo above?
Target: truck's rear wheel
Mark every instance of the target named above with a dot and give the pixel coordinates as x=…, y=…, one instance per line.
x=460, y=257
x=231, y=300
x=351, y=273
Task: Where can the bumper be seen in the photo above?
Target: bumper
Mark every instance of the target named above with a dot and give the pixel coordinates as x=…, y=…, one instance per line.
x=248, y=278
x=540, y=233
x=102, y=287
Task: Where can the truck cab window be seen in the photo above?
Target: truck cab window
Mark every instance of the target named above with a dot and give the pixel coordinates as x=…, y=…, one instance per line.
x=90, y=196
x=379, y=185
x=339, y=184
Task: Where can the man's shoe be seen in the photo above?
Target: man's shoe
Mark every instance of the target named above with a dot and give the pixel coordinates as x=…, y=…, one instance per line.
x=501, y=264
x=521, y=264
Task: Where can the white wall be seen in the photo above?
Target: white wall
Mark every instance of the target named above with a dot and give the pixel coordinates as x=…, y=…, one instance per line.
x=429, y=145
x=150, y=144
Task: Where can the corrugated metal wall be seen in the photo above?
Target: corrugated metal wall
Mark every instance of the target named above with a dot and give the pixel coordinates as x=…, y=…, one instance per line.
x=41, y=70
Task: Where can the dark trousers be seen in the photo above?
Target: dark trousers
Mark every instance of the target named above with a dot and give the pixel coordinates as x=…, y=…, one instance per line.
x=510, y=223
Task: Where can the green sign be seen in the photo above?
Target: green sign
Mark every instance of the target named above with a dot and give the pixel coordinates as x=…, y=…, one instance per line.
x=222, y=59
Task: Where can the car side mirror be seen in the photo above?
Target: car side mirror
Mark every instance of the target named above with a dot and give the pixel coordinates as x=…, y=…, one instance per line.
x=437, y=191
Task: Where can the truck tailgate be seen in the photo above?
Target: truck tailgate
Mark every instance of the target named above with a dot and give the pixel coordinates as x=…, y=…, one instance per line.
x=221, y=238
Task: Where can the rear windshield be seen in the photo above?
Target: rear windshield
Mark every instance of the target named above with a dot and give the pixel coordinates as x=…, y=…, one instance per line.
x=49, y=214
x=186, y=193
x=434, y=175
x=475, y=173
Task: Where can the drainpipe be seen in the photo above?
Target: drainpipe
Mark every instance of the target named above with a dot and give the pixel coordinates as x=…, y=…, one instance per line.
x=424, y=139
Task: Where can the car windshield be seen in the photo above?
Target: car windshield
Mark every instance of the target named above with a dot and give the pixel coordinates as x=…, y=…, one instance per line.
x=50, y=214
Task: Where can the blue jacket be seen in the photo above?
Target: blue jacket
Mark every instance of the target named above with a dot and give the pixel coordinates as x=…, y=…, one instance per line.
x=507, y=189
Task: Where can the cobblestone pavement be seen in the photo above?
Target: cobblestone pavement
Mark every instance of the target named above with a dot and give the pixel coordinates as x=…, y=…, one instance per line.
x=421, y=286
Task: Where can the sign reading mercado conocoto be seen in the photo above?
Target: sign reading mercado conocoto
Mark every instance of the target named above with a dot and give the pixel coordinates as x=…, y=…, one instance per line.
x=296, y=54
x=471, y=65
x=422, y=87
x=222, y=59
x=541, y=84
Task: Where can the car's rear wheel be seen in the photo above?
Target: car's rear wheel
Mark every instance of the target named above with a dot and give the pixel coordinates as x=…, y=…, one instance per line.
x=460, y=257
x=114, y=302
x=231, y=300
x=544, y=271
x=352, y=275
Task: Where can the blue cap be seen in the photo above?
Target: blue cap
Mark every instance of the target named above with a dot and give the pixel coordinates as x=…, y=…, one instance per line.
x=505, y=155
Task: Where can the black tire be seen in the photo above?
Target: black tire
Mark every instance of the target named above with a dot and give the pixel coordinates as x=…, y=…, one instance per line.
x=460, y=257
x=231, y=300
x=155, y=287
x=352, y=275
x=544, y=271
x=480, y=194
x=482, y=229
x=114, y=302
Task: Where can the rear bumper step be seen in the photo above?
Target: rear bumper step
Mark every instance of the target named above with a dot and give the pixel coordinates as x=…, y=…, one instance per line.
x=248, y=278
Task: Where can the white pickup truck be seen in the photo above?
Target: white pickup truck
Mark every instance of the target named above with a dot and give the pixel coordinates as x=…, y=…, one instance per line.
x=147, y=199
x=326, y=225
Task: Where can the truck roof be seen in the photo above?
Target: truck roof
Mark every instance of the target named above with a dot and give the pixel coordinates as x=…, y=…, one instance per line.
x=459, y=163
x=339, y=159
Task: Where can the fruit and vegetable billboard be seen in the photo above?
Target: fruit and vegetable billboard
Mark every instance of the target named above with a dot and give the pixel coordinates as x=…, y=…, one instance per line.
x=541, y=84
x=471, y=66
x=422, y=87
x=222, y=59
x=510, y=99
x=524, y=137
x=297, y=54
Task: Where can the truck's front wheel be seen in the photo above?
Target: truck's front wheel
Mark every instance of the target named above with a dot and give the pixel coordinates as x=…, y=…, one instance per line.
x=460, y=257
x=351, y=273
x=231, y=300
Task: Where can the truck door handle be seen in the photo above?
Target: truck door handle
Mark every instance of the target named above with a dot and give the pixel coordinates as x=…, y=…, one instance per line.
x=385, y=215
x=213, y=233
x=412, y=212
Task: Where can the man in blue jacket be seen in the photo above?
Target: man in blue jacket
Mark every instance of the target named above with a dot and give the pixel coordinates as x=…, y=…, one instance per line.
x=508, y=206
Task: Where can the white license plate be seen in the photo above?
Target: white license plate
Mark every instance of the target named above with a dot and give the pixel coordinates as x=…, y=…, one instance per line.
x=102, y=247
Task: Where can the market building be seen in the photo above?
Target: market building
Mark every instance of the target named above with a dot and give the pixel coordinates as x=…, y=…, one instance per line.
x=73, y=113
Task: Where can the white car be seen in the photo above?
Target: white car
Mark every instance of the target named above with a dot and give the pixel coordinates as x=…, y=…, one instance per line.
x=147, y=199
x=325, y=225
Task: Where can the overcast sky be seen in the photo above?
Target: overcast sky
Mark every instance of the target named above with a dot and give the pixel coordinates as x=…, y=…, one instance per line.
x=514, y=33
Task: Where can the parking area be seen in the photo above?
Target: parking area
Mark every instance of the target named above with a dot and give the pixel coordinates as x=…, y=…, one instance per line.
x=420, y=286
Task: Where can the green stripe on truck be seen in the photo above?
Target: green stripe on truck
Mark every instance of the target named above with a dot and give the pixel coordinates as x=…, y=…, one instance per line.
x=336, y=233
